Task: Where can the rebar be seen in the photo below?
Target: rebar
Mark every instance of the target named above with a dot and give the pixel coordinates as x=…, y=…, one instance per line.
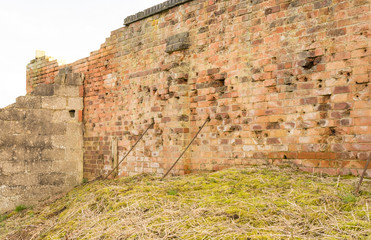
x=207, y=120
x=131, y=149
x=363, y=175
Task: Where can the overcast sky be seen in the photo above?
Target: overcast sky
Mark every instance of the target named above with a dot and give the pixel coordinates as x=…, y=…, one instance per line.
x=68, y=29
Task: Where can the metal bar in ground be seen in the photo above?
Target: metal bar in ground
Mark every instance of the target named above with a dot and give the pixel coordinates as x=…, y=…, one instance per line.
x=207, y=120
x=363, y=175
x=127, y=154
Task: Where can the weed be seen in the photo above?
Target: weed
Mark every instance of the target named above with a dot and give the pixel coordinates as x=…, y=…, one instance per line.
x=172, y=192
x=348, y=198
x=20, y=208
x=3, y=217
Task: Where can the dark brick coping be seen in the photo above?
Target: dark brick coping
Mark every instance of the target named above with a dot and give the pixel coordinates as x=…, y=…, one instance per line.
x=154, y=10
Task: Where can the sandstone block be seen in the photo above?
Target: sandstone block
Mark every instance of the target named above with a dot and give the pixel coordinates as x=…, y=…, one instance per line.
x=75, y=103
x=12, y=114
x=53, y=154
x=53, y=178
x=177, y=42
x=54, y=102
x=66, y=91
x=43, y=90
x=28, y=102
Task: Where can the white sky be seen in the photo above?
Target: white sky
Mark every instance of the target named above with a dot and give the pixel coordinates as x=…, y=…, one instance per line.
x=64, y=29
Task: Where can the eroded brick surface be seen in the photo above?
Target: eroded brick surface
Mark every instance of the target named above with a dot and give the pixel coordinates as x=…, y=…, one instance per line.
x=283, y=81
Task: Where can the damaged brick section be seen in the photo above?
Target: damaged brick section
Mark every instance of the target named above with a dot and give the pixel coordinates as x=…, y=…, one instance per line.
x=282, y=81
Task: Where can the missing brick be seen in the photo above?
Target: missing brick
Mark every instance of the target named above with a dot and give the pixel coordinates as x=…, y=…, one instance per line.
x=72, y=113
x=310, y=62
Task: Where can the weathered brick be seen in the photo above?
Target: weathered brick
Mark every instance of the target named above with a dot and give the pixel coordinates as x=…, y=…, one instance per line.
x=341, y=89
x=246, y=76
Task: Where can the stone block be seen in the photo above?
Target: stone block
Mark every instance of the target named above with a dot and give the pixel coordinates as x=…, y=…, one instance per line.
x=11, y=167
x=6, y=127
x=62, y=116
x=74, y=129
x=37, y=141
x=43, y=90
x=5, y=155
x=73, y=141
x=66, y=91
x=23, y=179
x=8, y=141
x=74, y=79
x=53, y=154
x=74, y=154
x=28, y=102
x=54, y=102
x=37, y=117
x=53, y=178
x=60, y=79
x=12, y=114
x=75, y=103
x=59, y=141
x=73, y=179
x=39, y=166
x=177, y=42
x=46, y=128
x=68, y=167
x=65, y=70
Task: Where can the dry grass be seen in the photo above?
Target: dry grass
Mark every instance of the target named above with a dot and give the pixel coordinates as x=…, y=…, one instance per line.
x=251, y=203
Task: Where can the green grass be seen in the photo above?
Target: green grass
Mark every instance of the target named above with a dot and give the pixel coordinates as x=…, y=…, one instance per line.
x=255, y=203
x=20, y=208
x=3, y=217
x=172, y=192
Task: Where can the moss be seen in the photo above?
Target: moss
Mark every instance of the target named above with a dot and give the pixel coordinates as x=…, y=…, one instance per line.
x=256, y=203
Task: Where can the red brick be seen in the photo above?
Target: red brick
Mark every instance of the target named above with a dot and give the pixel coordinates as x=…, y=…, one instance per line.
x=306, y=155
x=232, y=79
x=341, y=106
x=363, y=121
x=341, y=89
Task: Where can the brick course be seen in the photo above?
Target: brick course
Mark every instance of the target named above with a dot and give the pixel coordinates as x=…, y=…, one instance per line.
x=283, y=82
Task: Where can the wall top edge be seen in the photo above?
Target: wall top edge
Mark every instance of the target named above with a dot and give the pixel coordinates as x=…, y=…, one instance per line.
x=153, y=10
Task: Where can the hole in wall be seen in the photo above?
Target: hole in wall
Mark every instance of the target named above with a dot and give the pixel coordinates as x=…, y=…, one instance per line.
x=72, y=113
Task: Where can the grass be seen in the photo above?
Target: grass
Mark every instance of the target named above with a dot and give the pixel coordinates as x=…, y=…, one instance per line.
x=3, y=217
x=250, y=203
x=20, y=208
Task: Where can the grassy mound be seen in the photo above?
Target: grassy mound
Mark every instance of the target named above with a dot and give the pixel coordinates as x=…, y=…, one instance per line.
x=251, y=203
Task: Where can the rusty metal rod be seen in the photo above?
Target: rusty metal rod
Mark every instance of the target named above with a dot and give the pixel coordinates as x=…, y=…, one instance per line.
x=363, y=175
x=207, y=120
x=127, y=154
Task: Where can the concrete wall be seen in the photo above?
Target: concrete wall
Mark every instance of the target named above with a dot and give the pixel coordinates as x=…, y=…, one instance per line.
x=41, y=142
x=283, y=82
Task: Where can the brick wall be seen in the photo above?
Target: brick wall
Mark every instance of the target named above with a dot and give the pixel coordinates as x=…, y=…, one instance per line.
x=41, y=142
x=283, y=82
